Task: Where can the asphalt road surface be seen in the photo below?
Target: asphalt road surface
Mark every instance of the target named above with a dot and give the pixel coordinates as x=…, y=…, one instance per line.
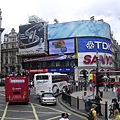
x=33, y=111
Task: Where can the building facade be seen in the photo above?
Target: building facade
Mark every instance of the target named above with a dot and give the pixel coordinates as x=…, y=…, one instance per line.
x=10, y=48
x=72, y=47
x=1, y=30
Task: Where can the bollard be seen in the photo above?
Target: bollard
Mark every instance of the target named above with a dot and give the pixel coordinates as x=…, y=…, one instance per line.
x=81, y=87
x=106, y=110
x=77, y=102
x=70, y=100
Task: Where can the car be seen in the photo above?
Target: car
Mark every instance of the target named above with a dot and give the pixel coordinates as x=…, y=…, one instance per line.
x=2, y=82
x=47, y=98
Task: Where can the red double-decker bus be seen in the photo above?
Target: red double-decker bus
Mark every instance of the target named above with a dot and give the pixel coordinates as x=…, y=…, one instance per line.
x=17, y=89
x=111, y=77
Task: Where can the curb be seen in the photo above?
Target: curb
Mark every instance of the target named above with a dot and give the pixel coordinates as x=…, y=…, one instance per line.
x=73, y=109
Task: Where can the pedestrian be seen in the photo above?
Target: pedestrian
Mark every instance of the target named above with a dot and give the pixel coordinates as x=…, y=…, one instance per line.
x=81, y=85
x=31, y=84
x=114, y=89
x=111, y=108
x=98, y=98
x=68, y=90
x=91, y=86
x=119, y=104
x=85, y=98
x=116, y=115
x=105, y=87
x=76, y=86
x=64, y=116
x=93, y=113
x=118, y=92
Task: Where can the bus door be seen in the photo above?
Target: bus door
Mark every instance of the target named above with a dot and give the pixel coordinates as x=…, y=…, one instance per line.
x=17, y=89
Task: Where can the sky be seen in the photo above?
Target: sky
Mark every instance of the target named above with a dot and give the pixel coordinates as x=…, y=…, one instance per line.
x=17, y=12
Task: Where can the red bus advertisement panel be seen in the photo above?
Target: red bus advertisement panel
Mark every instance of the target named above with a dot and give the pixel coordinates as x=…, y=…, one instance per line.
x=17, y=89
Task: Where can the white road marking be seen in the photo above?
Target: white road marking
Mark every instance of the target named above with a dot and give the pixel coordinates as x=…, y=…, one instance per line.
x=34, y=112
x=5, y=111
x=2, y=94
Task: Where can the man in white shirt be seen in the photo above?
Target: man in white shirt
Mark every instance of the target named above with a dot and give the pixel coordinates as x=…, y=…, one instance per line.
x=85, y=98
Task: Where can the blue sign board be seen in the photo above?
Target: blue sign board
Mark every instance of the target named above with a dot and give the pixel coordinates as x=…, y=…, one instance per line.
x=94, y=44
x=61, y=70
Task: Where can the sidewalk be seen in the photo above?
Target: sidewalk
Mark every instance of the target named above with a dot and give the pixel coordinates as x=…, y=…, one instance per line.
x=107, y=96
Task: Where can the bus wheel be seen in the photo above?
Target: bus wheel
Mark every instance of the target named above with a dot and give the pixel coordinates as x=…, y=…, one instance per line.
x=55, y=89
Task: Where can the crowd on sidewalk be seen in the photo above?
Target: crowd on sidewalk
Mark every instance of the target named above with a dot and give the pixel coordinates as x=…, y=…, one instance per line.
x=114, y=106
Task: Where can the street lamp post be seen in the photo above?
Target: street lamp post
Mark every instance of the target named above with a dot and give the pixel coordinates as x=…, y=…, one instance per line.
x=97, y=74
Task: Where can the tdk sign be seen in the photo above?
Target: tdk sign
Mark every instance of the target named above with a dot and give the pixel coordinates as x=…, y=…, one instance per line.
x=103, y=45
x=94, y=44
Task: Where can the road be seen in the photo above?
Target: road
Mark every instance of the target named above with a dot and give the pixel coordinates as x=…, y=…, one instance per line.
x=33, y=111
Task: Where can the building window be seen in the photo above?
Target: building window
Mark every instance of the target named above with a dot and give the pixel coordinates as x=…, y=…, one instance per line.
x=6, y=61
x=44, y=64
x=67, y=63
x=52, y=64
x=6, y=45
x=58, y=63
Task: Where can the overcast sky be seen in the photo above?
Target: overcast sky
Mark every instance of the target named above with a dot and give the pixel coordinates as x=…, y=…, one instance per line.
x=16, y=12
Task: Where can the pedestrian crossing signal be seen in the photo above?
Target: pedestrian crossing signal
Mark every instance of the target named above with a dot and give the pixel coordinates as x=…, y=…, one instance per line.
x=91, y=76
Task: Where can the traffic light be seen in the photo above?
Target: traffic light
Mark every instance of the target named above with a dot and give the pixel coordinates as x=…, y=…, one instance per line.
x=100, y=80
x=84, y=74
x=108, y=75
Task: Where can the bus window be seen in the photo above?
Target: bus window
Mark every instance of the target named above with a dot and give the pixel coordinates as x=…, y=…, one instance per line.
x=59, y=78
x=42, y=77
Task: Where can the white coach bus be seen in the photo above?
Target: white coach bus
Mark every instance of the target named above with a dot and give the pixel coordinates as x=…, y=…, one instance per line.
x=50, y=82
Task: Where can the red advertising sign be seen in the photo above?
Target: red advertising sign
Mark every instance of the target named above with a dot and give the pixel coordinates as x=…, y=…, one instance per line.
x=33, y=71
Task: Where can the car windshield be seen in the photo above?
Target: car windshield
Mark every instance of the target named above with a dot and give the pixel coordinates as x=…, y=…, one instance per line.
x=47, y=95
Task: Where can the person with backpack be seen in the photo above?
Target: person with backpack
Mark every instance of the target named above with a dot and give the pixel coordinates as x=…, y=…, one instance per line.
x=92, y=113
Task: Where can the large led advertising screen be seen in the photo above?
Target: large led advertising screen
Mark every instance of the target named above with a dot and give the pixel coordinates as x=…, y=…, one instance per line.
x=61, y=46
x=32, y=37
x=82, y=28
x=94, y=44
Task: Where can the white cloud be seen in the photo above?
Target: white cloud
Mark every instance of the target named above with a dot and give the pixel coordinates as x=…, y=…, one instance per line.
x=15, y=13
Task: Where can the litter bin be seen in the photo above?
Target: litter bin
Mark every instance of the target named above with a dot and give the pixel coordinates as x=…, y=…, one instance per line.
x=101, y=93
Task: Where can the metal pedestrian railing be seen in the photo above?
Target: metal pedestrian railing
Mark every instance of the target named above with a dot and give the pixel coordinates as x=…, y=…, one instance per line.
x=79, y=104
